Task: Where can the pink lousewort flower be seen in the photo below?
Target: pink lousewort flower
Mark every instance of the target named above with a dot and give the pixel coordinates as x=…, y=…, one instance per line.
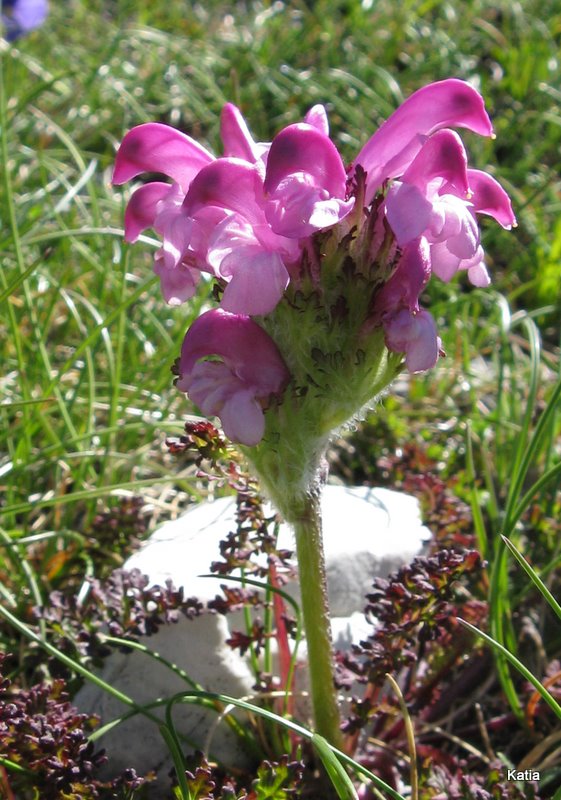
x=245, y=373
x=408, y=328
x=332, y=259
x=239, y=246
x=305, y=183
x=437, y=197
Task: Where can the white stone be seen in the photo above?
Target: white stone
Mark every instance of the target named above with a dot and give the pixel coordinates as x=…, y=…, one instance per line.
x=367, y=533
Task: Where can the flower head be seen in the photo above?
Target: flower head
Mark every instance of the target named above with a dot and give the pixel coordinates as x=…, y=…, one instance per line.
x=332, y=259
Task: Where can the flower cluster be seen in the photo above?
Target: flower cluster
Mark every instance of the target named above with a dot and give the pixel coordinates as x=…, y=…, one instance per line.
x=286, y=225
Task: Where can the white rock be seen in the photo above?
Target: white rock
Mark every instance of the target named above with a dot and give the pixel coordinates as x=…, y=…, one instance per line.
x=197, y=645
x=367, y=533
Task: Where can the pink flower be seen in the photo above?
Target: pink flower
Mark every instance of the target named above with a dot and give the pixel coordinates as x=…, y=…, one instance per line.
x=249, y=371
x=240, y=247
x=153, y=147
x=306, y=181
x=437, y=197
x=408, y=328
x=388, y=153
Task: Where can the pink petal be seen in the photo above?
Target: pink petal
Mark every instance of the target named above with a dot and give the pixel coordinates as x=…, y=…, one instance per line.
x=212, y=385
x=258, y=281
x=489, y=197
x=218, y=392
x=449, y=213
x=443, y=263
x=208, y=384
x=478, y=275
x=443, y=156
x=439, y=105
x=302, y=148
x=141, y=209
x=298, y=208
x=408, y=211
x=208, y=222
x=176, y=230
x=238, y=141
x=177, y=283
x=466, y=243
x=242, y=418
x=230, y=235
x=234, y=231
x=317, y=117
x=329, y=212
x=403, y=288
x=246, y=348
x=251, y=370
x=153, y=147
x=415, y=335
x=228, y=183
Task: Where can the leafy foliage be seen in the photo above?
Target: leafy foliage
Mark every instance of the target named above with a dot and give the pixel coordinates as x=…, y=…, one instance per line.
x=277, y=781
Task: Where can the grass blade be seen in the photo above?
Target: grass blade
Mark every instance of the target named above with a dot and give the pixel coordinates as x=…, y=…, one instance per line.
x=534, y=577
x=338, y=776
x=518, y=665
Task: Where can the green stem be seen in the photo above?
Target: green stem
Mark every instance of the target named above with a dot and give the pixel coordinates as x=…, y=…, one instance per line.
x=313, y=590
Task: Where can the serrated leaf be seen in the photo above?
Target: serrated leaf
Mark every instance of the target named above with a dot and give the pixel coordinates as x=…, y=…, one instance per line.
x=276, y=781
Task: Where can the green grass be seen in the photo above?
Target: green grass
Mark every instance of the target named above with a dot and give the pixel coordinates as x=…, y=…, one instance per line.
x=87, y=344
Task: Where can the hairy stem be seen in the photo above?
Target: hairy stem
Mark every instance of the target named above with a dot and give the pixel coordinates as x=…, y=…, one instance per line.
x=313, y=589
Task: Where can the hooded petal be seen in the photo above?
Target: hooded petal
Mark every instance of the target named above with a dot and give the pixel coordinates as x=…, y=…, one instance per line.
x=247, y=350
x=442, y=157
x=141, y=209
x=489, y=197
x=413, y=203
x=238, y=141
x=302, y=148
x=227, y=183
x=439, y=105
x=317, y=117
x=305, y=182
x=153, y=147
x=251, y=369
